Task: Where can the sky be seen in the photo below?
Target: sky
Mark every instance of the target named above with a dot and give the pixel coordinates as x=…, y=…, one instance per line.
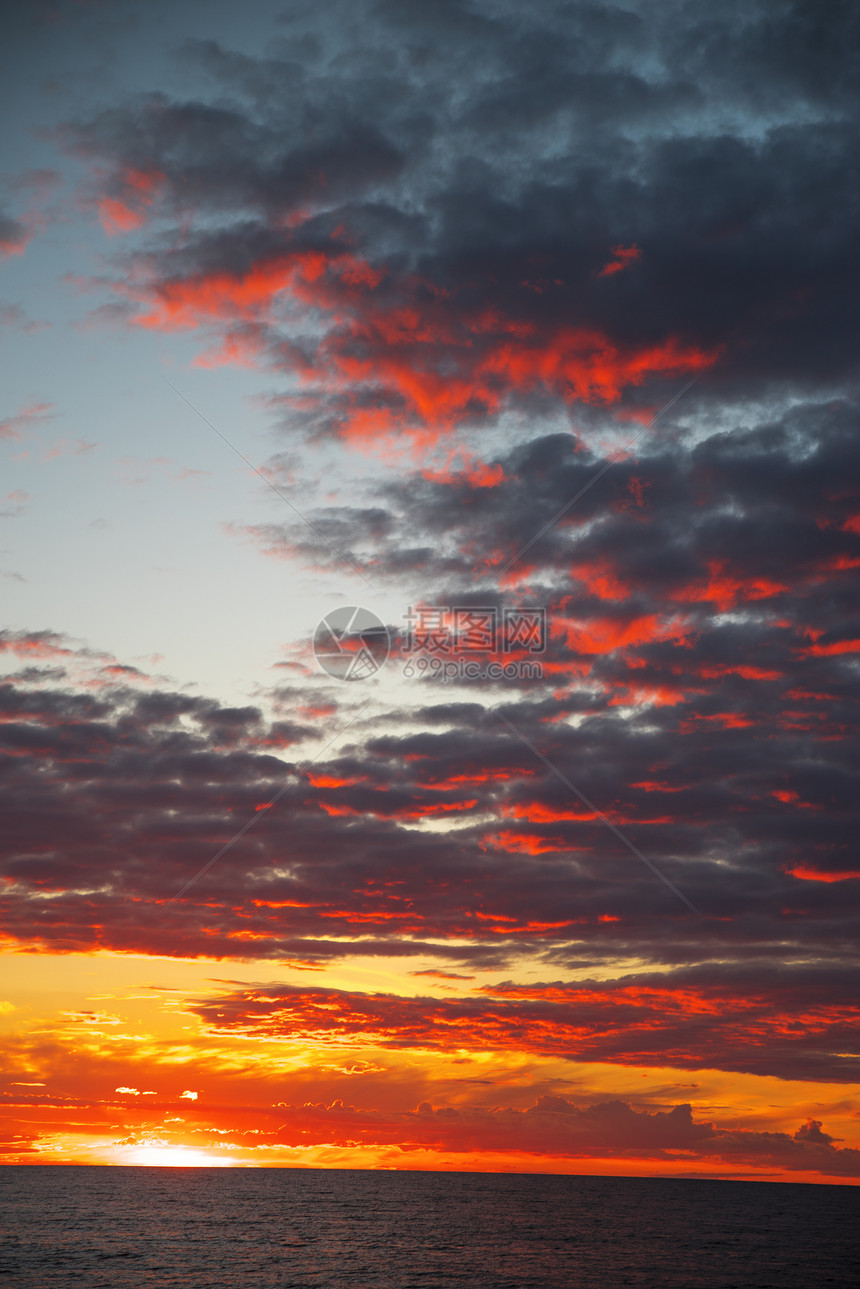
x=430, y=539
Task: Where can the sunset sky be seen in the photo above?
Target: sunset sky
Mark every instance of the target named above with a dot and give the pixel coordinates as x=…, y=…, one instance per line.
x=533, y=330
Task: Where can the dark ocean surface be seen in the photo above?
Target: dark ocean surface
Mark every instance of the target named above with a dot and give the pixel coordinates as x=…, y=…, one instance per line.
x=119, y=1227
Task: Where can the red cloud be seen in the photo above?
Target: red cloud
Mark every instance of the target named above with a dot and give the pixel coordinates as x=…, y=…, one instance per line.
x=116, y=217
x=128, y=211
x=472, y=473
x=834, y=649
x=399, y=356
x=806, y=874
x=16, y=243
x=526, y=843
x=724, y=590
x=603, y=635
x=624, y=255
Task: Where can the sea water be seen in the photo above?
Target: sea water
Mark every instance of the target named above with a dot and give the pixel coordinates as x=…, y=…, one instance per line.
x=344, y=1229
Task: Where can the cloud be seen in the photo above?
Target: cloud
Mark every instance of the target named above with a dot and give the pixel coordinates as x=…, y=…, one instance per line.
x=32, y=414
x=623, y=257
x=789, y=1023
x=36, y=187
x=14, y=235
x=486, y=299
x=419, y=267
x=118, y=797
x=556, y=1127
x=67, y=447
x=13, y=315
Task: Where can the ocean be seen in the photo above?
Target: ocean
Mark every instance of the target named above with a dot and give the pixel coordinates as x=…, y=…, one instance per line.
x=278, y=1228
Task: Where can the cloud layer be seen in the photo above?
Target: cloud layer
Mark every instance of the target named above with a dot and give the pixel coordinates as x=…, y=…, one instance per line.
x=568, y=295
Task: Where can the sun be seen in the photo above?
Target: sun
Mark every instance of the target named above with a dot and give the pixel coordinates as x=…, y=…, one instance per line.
x=174, y=1157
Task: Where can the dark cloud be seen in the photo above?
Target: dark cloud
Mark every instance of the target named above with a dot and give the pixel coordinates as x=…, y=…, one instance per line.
x=14, y=235
x=720, y=146
x=114, y=800
x=502, y=283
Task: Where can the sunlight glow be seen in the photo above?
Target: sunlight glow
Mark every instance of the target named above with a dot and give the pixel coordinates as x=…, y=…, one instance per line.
x=174, y=1157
